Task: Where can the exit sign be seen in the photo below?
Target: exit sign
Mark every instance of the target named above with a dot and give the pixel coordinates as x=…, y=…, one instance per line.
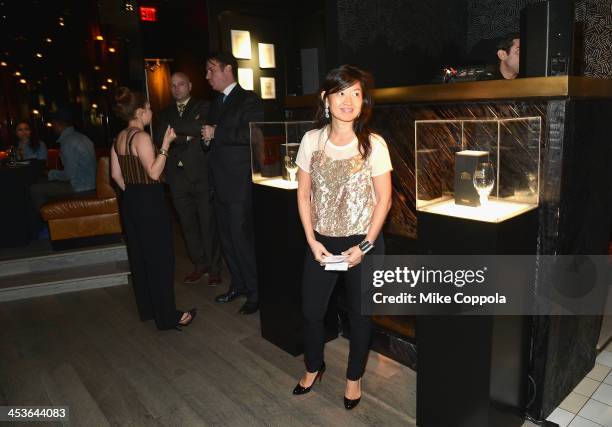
x=148, y=14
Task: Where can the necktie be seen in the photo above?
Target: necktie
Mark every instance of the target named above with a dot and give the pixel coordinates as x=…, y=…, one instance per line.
x=224, y=97
x=181, y=109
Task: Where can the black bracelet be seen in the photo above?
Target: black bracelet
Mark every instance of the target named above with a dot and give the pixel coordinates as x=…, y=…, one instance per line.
x=365, y=246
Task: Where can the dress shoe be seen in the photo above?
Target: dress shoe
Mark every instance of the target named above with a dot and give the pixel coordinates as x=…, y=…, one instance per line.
x=193, y=277
x=229, y=296
x=351, y=403
x=249, y=308
x=192, y=314
x=214, y=279
x=299, y=389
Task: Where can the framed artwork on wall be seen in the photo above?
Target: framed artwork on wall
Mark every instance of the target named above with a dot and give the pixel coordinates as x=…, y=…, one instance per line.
x=241, y=44
x=266, y=55
x=245, y=78
x=268, y=87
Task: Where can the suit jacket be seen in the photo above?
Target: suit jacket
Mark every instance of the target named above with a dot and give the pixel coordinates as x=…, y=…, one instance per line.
x=230, y=150
x=189, y=153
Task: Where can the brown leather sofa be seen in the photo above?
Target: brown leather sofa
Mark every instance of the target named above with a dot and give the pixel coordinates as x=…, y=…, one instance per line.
x=85, y=215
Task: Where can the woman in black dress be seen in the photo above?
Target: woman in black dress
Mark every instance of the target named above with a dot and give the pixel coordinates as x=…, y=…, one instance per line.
x=137, y=170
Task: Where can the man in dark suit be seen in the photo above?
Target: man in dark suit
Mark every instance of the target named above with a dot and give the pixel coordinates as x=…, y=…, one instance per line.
x=227, y=136
x=187, y=175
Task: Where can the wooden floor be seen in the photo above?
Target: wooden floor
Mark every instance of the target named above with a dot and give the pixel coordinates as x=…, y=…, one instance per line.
x=88, y=350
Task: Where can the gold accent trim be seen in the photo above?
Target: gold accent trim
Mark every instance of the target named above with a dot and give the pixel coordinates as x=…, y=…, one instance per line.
x=534, y=87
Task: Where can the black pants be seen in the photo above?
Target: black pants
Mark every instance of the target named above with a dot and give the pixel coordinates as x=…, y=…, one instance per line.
x=194, y=207
x=317, y=287
x=237, y=237
x=151, y=252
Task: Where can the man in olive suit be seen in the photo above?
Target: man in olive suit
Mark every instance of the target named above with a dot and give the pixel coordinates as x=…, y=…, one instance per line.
x=187, y=175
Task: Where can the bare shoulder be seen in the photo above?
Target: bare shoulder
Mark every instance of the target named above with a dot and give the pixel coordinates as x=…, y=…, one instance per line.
x=142, y=137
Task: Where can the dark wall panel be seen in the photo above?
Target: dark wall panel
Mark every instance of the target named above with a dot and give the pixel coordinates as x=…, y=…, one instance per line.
x=402, y=42
x=489, y=19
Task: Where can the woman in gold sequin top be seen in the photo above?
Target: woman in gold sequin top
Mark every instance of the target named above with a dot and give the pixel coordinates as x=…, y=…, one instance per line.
x=344, y=195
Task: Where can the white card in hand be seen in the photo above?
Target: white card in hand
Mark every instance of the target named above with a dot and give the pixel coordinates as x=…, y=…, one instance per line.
x=337, y=266
x=332, y=259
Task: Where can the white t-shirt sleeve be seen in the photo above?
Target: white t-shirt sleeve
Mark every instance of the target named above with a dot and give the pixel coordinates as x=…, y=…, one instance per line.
x=305, y=152
x=380, y=160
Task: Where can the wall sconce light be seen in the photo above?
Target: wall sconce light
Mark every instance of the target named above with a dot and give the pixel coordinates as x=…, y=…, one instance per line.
x=152, y=65
x=128, y=6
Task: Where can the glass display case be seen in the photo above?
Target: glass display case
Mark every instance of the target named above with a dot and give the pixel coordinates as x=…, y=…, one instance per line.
x=274, y=148
x=479, y=169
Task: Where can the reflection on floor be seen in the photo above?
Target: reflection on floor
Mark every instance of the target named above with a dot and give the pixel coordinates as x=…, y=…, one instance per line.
x=89, y=350
x=590, y=403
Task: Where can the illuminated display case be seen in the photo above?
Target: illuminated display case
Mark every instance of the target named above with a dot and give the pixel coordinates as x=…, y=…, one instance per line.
x=449, y=157
x=274, y=147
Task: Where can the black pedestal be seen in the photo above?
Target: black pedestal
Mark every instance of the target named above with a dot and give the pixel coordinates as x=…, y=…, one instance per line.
x=280, y=244
x=472, y=370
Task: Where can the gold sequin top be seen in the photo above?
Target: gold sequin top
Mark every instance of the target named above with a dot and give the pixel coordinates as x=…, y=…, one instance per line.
x=342, y=195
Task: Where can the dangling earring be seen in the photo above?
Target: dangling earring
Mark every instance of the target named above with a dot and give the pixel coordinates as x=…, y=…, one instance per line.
x=326, y=111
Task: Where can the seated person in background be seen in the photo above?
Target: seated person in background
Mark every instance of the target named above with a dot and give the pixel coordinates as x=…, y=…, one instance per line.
x=28, y=148
x=79, y=160
x=508, y=53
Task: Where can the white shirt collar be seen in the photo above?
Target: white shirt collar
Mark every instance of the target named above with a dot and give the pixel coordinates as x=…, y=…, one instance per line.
x=184, y=102
x=228, y=89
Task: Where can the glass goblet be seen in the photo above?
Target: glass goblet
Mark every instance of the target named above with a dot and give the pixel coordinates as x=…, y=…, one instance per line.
x=484, y=180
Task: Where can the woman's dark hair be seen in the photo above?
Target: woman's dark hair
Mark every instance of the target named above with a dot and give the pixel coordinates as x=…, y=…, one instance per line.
x=127, y=102
x=339, y=79
x=34, y=142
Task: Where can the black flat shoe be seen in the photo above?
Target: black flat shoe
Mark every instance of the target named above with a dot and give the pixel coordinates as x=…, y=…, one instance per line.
x=193, y=312
x=351, y=403
x=249, y=308
x=229, y=296
x=303, y=390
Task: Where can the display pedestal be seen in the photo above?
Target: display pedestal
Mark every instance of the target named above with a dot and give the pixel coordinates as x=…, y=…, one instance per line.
x=280, y=245
x=472, y=370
